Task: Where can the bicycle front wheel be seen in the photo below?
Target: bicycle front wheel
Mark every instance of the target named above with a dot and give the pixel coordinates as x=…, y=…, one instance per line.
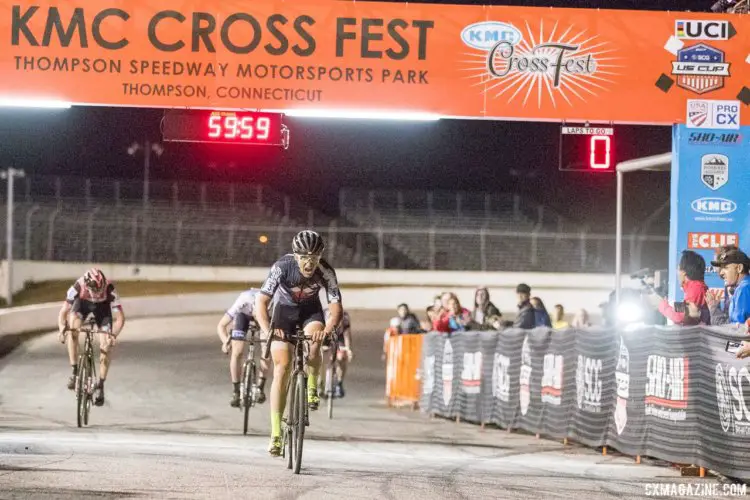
x=80, y=390
x=248, y=379
x=299, y=420
x=331, y=376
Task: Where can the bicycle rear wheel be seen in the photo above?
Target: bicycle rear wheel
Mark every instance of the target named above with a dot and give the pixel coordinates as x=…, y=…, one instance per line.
x=248, y=379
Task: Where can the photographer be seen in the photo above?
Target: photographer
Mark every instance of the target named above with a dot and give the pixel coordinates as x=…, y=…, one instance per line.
x=690, y=273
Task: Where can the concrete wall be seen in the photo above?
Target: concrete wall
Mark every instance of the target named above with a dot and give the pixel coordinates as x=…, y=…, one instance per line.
x=416, y=288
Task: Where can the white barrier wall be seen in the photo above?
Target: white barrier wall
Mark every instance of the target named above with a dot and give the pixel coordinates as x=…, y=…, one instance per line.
x=415, y=288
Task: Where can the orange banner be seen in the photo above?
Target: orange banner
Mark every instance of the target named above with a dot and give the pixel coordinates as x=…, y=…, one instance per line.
x=456, y=61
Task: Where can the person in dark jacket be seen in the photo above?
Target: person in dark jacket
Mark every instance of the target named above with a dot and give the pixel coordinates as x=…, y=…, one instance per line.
x=525, y=318
x=408, y=322
x=541, y=315
x=485, y=313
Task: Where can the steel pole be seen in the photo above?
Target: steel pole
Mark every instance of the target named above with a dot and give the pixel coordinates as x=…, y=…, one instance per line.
x=618, y=240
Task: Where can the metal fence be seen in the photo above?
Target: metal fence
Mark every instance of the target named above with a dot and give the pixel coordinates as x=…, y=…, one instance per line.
x=96, y=220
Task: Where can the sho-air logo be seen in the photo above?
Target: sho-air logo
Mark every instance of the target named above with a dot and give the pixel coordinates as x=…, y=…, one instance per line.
x=556, y=63
x=501, y=378
x=700, y=68
x=589, y=384
x=622, y=377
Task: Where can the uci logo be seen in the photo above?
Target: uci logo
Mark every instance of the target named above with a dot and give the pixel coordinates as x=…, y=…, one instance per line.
x=487, y=34
x=713, y=206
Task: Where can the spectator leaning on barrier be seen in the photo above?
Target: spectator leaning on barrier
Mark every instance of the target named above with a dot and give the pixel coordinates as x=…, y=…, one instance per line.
x=581, y=319
x=733, y=268
x=559, y=321
x=525, y=318
x=690, y=273
x=485, y=313
x=407, y=322
x=718, y=302
x=541, y=316
x=456, y=318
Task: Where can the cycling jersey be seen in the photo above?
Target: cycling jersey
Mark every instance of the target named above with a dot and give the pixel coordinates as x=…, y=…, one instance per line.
x=294, y=289
x=345, y=320
x=100, y=304
x=244, y=304
x=108, y=294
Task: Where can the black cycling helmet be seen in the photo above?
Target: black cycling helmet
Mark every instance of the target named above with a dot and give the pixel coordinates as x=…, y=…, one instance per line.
x=308, y=243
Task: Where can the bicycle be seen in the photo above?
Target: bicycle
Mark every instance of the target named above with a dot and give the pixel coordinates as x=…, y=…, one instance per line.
x=249, y=374
x=296, y=415
x=331, y=379
x=84, y=387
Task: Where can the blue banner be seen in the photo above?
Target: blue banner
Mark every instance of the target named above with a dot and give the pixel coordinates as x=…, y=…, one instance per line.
x=710, y=194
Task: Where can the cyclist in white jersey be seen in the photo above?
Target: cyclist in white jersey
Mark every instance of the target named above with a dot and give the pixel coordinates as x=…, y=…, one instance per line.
x=240, y=318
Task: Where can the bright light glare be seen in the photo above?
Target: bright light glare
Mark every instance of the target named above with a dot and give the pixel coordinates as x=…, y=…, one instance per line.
x=361, y=114
x=628, y=312
x=10, y=102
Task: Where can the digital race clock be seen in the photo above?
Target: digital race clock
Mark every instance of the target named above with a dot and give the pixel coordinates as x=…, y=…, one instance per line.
x=225, y=127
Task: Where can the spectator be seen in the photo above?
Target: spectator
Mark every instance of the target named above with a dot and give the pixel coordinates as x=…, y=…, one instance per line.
x=525, y=318
x=559, y=322
x=733, y=267
x=485, y=313
x=690, y=273
x=718, y=302
x=581, y=319
x=541, y=316
x=406, y=321
x=455, y=318
x=426, y=325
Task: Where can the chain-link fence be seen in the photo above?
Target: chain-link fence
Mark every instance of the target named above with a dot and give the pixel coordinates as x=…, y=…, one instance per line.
x=204, y=224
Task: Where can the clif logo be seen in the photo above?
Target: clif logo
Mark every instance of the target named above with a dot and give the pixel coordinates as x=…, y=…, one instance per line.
x=709, y=241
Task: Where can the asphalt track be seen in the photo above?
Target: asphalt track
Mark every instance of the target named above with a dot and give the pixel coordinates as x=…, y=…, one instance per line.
x=167, y=431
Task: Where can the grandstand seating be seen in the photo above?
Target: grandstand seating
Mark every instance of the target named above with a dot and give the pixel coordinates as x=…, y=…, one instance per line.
x=200, y=224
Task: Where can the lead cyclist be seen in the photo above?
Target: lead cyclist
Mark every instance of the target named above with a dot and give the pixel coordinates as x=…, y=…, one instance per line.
x=294, y=284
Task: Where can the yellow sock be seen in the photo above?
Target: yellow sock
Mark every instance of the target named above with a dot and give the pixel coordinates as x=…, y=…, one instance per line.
x=312, y=383
x=275, y=424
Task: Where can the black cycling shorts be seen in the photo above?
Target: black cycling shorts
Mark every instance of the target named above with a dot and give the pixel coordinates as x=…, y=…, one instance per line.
x=102, y=312
x=288, y=318
x=242, y=324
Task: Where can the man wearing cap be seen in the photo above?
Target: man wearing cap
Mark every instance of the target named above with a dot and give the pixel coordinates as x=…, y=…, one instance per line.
x=733, y=267
x=525, y=318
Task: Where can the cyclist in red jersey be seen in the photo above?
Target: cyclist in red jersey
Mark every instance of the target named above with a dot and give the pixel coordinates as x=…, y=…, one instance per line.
x=91, y=294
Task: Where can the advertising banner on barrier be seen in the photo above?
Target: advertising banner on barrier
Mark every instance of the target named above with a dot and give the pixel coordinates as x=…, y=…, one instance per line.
x=710, y=204
x=450, y=60
x=665, y=392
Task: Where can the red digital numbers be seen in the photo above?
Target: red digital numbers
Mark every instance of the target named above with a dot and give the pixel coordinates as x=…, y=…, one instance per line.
x=235, y=127
x=600, y=152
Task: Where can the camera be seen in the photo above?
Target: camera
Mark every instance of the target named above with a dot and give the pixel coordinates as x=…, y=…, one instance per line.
x=652, y=281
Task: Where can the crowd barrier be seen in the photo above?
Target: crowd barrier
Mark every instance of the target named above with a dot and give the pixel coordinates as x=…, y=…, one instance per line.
x=403, y=357
x=669, y=393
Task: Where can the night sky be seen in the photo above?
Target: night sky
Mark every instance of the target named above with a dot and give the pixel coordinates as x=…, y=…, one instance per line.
x=326, y=154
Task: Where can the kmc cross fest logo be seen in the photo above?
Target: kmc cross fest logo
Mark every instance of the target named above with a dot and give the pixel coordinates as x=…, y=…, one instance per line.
x=552, y=65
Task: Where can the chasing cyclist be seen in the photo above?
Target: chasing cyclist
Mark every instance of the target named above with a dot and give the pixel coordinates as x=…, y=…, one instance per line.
x=91, y=294
x=344, y=353
x=294, y=283
x=240, y=319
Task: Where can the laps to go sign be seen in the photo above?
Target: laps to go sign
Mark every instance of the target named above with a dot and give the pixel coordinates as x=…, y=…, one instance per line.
x=589, y=149
x=233, y=127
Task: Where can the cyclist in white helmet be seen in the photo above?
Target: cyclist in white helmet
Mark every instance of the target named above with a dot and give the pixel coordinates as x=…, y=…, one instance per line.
x=91, y=294
x=294, y=283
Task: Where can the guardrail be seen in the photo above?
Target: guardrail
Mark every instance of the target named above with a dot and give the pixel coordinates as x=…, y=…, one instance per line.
x=670, y=393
